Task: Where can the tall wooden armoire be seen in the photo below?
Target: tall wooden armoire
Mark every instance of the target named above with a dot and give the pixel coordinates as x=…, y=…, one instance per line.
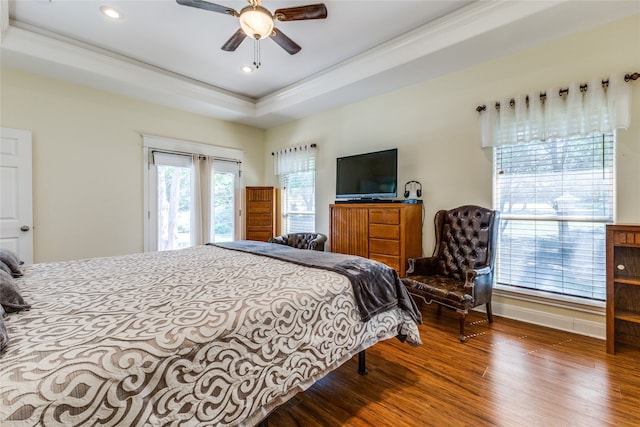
x=260, y=213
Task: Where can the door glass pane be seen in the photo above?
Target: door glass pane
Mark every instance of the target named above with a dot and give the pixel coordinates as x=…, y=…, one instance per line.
x=174, y=207
x=223, y=206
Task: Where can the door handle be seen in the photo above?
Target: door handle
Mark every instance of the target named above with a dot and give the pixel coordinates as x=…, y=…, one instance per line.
x=25, y=228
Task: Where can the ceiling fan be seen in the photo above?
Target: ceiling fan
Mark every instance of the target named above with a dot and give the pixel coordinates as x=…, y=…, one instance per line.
x=258, y=23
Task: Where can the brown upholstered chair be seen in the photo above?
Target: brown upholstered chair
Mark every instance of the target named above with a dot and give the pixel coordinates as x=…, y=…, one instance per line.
x=459, y=275
x=312, y=241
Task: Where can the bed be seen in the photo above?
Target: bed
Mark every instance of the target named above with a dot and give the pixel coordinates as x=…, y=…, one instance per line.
x=208, y=335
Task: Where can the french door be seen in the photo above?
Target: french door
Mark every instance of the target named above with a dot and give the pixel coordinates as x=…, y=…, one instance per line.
x=225, y=202
x=191, y=199
x=171, y=174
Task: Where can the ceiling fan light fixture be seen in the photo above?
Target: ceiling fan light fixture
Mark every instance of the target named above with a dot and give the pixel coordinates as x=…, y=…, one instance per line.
x=256, y=22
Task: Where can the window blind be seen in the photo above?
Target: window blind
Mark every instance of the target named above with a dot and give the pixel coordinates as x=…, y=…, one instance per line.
x=298, y=201
x=555, y=199
x=171, y=159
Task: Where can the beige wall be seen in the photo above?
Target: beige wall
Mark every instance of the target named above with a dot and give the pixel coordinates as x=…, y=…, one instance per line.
x=435, y=127
x=87, y=160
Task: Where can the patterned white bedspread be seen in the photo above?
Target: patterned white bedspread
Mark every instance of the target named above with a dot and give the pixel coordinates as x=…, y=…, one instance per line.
x=199, y=336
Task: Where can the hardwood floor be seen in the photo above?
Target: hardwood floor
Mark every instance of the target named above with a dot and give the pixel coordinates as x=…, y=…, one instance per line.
x=508, y=373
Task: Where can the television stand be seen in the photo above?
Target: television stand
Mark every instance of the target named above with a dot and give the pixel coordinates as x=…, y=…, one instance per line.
x=365, y=200
x=387, y=232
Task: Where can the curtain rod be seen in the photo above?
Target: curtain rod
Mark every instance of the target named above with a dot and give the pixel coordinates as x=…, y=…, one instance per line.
x=182, y=153
x=584, y=87
x=296, y=148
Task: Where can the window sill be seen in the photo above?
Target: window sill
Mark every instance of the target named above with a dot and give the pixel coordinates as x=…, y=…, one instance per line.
x=554, y=300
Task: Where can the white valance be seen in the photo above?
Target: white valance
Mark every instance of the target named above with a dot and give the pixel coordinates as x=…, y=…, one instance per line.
x=594, y=107
x=295, y=159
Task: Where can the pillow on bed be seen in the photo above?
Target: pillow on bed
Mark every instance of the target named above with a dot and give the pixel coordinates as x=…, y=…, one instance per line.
x=11, y=260
x=4, y=336
x=4, y=267
x=10, y=297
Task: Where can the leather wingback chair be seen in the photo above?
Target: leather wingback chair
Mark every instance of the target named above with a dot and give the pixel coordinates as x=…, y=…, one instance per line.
x=312, y=241
x=459, y=275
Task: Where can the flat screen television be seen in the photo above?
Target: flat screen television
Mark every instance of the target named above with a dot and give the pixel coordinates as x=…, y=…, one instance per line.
x=368, y=176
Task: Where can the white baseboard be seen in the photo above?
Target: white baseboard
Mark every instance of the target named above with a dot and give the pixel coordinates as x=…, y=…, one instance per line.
x=552, y=320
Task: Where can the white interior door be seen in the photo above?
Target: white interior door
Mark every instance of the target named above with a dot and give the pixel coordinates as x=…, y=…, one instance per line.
x=16, y=210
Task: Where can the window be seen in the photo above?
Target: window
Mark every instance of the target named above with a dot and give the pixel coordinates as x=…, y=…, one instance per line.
x=555, y=198
x=296, y=167
x=192, y=194
x=298, y=201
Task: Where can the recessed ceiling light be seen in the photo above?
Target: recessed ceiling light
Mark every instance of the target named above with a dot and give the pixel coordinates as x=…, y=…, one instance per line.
x=247, y=68
x=110, y=12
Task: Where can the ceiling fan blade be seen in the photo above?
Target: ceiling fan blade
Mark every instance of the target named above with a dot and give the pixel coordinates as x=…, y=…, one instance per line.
x=235, y=40
x=200, y=4
x=299, y=13
x=285, y=42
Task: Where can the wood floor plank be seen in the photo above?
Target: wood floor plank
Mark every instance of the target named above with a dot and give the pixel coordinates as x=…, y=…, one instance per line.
x=508, y=373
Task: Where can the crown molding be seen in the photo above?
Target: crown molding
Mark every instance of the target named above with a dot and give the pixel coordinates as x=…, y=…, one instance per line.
x=118, y=73
x=477, y=32
x=464, y=24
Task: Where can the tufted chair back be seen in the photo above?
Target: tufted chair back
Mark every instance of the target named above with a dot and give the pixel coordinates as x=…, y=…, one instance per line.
x=459, y=274
x=465, y=238
x=312, y=241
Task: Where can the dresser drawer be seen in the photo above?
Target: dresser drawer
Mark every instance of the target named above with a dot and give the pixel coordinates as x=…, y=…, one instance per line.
x=383, y=231
x=259, y=220
x=260, y=207
x=391, y=261
x=626, y=238
x=384, y=216
x=258, y=235
x=384, y=247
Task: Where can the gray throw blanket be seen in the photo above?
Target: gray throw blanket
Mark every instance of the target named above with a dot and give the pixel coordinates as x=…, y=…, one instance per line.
x=377, y=287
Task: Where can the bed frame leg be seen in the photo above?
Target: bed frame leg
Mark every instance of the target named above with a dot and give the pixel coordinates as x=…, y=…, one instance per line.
x=362, y=363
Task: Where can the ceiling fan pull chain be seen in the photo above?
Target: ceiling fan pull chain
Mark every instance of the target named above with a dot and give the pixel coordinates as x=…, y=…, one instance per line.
x=256, y=53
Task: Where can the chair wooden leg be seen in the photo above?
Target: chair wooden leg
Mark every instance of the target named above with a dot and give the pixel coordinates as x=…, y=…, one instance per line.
x=489, y=312
x=463, y=317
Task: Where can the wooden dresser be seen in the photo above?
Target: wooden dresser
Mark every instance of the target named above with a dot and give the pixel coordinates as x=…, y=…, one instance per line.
x=260, y=213
x=387, y=232
x=623, y=285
